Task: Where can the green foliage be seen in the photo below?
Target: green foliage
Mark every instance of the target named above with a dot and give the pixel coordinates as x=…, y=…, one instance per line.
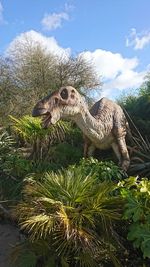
x=103, y=170
x=65, y=154
x=6, y=146
x=140, y=156
x=39, y=139
x=12, y=168
x=12, y=163
x=73, y=213
x=30, y=129
x=138, y=114
x=145, y=88
x=41, y=150
x=138, y=107
x=137, y=210
x=24, y=255
x=44, y=146
x=37, y=253
x=74, y=136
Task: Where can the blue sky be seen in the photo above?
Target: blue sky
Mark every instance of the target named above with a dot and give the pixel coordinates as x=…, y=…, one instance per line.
x=114, y=34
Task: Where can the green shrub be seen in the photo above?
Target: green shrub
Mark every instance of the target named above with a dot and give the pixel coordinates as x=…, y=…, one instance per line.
x=137, y=211
x=103, y=170
x=13, y=168
x=64, y=154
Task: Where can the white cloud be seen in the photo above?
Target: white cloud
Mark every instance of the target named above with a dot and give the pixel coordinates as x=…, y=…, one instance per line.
x=118, y=73
x=35, y=38
x=138, y=40
x=109, y=64
x=127, y=79
x=54, y=20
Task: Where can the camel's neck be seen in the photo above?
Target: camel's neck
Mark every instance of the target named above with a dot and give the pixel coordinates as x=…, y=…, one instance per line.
x=92, y=128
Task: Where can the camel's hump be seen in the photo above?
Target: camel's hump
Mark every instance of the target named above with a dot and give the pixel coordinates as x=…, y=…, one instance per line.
x=105, y=107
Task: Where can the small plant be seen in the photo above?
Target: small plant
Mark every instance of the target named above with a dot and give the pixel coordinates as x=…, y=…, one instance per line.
x=137, y=211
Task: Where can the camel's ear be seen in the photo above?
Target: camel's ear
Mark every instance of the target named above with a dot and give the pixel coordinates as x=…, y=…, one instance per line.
x=64, y=94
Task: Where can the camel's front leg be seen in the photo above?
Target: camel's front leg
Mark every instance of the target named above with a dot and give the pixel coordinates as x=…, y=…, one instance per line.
x=85, y=150
x=89, y=148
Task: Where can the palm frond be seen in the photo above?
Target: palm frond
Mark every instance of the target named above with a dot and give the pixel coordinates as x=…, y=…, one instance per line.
x=39, y=226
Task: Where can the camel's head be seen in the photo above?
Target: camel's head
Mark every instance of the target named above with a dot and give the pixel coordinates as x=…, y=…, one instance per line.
x=63, y=103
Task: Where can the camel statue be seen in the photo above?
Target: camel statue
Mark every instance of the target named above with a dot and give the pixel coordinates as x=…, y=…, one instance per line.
x=103, y=126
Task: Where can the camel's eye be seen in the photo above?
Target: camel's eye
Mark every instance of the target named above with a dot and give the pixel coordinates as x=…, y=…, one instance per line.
x=64, y=94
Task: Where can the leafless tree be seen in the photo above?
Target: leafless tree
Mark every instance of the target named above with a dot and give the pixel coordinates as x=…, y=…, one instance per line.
x=32, y=72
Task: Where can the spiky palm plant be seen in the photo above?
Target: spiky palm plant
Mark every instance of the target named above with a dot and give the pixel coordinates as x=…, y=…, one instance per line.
x=40, y=139
x=73, y=214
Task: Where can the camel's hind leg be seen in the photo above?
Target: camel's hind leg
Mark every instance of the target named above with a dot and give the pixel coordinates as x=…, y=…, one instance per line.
x=116, y=150
x=125, y=160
